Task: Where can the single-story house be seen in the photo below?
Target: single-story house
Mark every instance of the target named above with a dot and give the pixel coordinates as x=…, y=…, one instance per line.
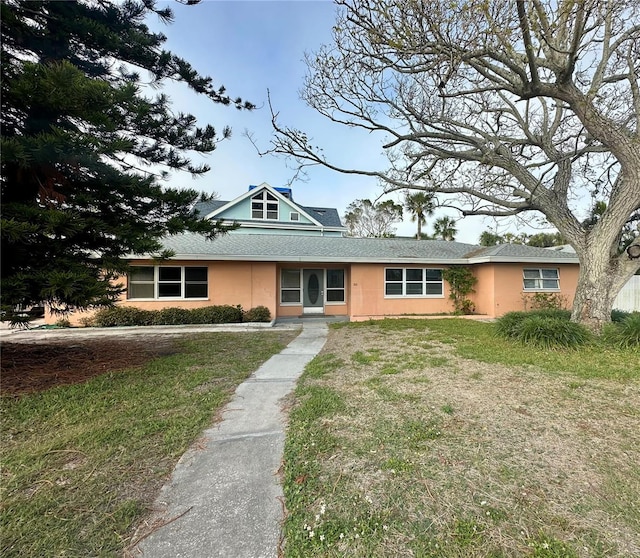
x=296, y=261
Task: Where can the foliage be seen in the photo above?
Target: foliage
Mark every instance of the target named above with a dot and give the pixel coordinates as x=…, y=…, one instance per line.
x=540, y=240
x=619, y=315
x=445, y=228
x=551, y=333
x=509, y=324
x=365, y=218
x=172, y=316
x=502, y=109
x=624, y=333
x=543, y=301
x=118, y=316
x=546, y=328
x=84, y=147
x=257, y=314
x=461, y=281
x=419, y=205
x=221, y=314
x=487, y=238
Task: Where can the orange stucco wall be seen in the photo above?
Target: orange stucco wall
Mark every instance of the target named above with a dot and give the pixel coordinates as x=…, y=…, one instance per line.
x=508, y=294
x=499, y=290
x=248, y=284
x=368, y=300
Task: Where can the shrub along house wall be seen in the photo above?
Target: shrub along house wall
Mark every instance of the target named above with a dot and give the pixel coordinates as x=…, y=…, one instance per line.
x=248, y=284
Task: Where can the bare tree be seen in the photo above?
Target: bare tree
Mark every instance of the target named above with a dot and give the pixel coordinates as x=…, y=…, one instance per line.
x=506, y=108
x=365, y=218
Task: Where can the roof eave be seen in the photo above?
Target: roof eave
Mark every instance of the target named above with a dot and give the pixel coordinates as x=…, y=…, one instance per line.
x=310, y=259
x=521, y=259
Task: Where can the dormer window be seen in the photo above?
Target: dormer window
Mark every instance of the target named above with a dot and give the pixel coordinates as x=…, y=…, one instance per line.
x=264, y=206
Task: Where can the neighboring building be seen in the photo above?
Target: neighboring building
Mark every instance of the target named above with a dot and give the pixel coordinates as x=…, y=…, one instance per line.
x=295, y=261
x=266, y=210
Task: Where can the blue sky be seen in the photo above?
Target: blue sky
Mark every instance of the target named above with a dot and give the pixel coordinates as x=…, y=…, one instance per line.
x=254, y=46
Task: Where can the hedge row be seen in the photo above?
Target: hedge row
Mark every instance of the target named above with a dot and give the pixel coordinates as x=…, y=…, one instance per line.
x=131, y=316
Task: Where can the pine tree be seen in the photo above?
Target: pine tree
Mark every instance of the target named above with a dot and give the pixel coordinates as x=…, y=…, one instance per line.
x=81, y=143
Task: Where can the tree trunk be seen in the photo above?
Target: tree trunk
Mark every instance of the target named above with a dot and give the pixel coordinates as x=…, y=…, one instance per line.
x=600, y=280
x=594, y=299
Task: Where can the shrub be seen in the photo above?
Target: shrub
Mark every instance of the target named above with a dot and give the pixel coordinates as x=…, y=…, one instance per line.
x=619, y=315
x=257, y=314
x=624, y=334
x=63, y=322
x=123, y=316
x=172, y=316
x=509, y=324
x=551, y=332
x=87, y=321
x=131, y=316
x=223, y=314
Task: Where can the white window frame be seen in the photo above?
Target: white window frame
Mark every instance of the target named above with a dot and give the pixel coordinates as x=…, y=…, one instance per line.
x=540, y=279
x=264, y=199
x=424, y=282
x=294, y=216
x=298, y=288
x=156, y=283
x=328, y=289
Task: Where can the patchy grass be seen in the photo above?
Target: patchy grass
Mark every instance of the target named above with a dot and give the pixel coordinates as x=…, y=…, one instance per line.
x=455, y=443
x=81, y=463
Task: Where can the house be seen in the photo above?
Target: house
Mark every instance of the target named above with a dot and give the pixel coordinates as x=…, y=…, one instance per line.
x=628, y=299
x=296, y=261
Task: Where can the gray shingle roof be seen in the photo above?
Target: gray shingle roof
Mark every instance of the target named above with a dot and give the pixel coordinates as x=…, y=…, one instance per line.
x=206, y=207
x=520, y=251
x=327, y=216
x=302, y=248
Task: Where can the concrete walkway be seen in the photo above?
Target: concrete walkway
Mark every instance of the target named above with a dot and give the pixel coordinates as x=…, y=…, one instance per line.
x=224, y=497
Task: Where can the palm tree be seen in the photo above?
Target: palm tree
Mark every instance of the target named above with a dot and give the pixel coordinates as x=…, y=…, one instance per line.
x=419, y=205
x=445, y=228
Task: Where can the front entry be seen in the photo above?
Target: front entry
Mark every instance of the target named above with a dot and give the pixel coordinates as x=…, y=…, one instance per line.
x=313, y=291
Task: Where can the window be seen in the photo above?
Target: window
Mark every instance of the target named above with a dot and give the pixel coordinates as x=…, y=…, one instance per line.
x=141, y=282
x=541, y=279
x=167, y=282
x=264, y=206
x=290, y=290
x=294, y=216
x=335, y=285
x=413, y=282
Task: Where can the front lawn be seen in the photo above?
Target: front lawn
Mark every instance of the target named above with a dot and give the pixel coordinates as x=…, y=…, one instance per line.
x=437, y=438
x=81, y=463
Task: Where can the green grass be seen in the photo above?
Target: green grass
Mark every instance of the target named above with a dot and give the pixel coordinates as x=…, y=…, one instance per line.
x=453, y=442
x=478, y=340
x=81, y=463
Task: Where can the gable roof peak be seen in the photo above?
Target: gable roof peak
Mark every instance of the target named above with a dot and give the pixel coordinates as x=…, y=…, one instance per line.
x=284, y=191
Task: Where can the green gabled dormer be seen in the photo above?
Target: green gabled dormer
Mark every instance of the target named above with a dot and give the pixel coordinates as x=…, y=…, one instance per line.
x=268, y=210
